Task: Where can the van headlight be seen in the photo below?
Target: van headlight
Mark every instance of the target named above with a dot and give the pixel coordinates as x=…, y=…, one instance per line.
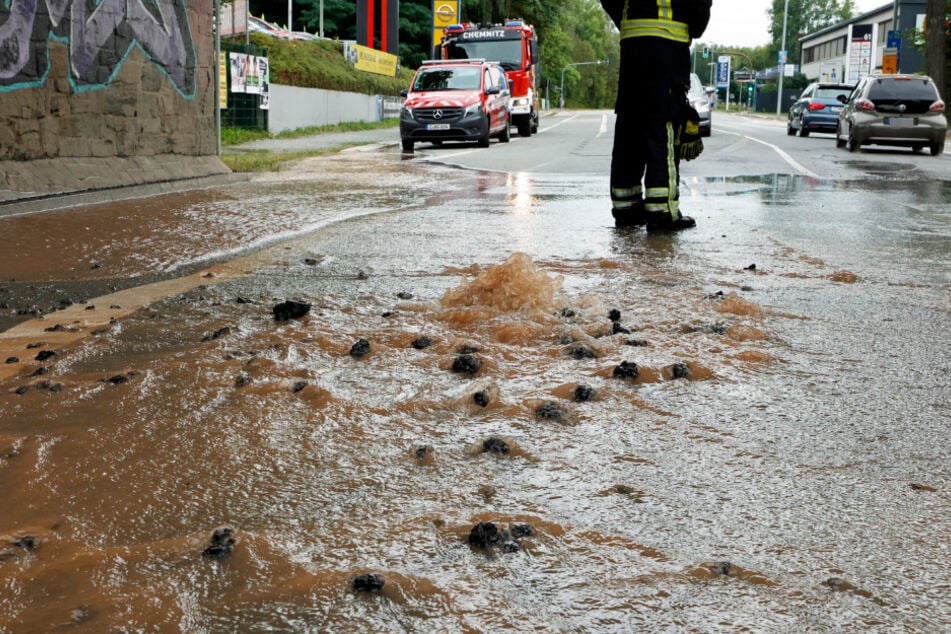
x=406, y=114
x=471, y=109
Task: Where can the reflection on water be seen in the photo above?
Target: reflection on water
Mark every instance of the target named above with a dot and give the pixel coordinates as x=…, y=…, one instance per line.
x=776, y=462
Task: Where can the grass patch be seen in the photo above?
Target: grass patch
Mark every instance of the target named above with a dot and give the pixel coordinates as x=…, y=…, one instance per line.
x=346, y=126
x=270, y=161
x=237, y=136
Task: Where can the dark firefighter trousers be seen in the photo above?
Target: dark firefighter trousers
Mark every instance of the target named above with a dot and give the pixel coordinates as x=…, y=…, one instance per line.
x=645, y=168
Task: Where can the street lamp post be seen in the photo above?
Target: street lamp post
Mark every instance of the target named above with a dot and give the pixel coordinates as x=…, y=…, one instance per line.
x=561, y=90
x=782, y=65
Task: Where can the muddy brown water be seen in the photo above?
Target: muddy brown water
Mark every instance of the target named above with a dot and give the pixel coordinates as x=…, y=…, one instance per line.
x=796, y=479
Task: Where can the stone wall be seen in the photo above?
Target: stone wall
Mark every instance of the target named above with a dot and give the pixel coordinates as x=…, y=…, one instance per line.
x=121, y=84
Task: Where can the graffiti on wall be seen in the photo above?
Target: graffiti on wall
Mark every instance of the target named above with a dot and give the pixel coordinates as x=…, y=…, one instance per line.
x=99, y=36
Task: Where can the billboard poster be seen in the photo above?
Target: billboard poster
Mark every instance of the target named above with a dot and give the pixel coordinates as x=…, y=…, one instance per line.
x=264, y=73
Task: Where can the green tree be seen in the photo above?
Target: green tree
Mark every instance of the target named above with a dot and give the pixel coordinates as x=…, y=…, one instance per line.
x=804, y=17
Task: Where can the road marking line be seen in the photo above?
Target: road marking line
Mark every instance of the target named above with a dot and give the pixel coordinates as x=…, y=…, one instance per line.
x=604, y=126
x=782, y=154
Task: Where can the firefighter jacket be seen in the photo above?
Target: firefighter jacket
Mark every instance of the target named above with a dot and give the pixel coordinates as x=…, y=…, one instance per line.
x=655, y=53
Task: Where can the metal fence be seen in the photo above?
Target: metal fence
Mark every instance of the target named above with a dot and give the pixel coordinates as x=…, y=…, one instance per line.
x=244, y=109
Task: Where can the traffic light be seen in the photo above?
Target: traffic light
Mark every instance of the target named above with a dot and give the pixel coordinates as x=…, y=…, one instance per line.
x=706, y=52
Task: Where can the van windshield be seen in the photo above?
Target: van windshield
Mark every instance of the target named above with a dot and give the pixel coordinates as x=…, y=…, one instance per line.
x=449, y=79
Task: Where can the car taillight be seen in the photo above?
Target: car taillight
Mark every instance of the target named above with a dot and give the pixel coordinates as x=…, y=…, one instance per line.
x=816, y=106
x=864, y=104
x=937, y=106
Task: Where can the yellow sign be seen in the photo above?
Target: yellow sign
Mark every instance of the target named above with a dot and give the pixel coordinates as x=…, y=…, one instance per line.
x=222, y=80
x=890, y=61
x=445, y=13
x=373, y=61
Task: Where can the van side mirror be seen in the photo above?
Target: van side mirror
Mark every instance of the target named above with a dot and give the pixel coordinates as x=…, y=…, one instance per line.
x=404, y=92
x=492, y=90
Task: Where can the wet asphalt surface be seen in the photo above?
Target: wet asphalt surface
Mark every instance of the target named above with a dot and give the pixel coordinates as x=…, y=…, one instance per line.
x=779, y=463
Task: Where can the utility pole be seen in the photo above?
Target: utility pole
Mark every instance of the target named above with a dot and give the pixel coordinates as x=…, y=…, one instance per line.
x=782, y=65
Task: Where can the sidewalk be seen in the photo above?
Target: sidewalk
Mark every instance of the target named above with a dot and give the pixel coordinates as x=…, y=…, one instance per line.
x=45, y=185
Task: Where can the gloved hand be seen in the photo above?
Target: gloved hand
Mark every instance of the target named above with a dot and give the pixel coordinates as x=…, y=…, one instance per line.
x=689, y=146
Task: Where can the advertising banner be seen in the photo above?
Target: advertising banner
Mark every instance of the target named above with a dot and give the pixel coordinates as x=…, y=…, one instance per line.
x=723, y=71
x=370, y=60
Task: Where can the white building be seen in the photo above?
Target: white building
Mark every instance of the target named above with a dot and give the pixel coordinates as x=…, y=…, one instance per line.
x=850, y=50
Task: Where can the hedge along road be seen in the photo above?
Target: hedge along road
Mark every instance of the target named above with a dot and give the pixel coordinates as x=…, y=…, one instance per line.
x=776, y=458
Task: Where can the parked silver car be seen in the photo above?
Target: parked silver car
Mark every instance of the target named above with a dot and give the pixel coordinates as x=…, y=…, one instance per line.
x=698, y=98
x=902, y=110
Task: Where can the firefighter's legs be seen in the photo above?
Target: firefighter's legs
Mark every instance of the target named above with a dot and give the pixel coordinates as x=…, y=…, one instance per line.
x=662, y=179
x=628, y=159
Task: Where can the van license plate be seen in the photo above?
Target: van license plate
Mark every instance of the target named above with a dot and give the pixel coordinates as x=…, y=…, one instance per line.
x=899, y=122
x=437, y=126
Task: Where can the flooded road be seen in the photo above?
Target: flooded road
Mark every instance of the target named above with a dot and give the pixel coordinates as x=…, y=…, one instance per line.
x=742, y=427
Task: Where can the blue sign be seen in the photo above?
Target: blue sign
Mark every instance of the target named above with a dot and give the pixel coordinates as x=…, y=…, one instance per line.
x=723, y=71
x=783, y=56
x=894, y=39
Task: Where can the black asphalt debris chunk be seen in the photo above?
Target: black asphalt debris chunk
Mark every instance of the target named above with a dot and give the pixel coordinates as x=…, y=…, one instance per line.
x=370, y=582
x=117, y=379
x=466, y=364
x=12, y=360
x=40, y=371
x=637, y=343
x=290, y=309
x=626, y=370
x=310, y=261
x=360, y=349
x=481, y=398
x=581, y=351
x=680, y=371
x=242, y=380
x=614, y=315
x=519, y=531
x=550, y=411
x=221, y=332
x=496, y=445
x=404, y=295
x=567, y=313
x=468, y=348
x=422, y=342
x=722, y=568
x=751, y=267
x=484, y=534
x=617, y=328
x=45, y=354
x=222, y=542
x=717, y=295
x=27, y=543
x=300, y=385
x=422, y=451
x=583, y=393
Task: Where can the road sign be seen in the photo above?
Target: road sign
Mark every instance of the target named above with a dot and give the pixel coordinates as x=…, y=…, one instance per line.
x=723, y=71
x=783, y=56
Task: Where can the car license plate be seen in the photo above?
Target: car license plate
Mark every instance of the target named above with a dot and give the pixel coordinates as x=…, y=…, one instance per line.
x=899, y=122
x=835, y=108
x=437, y=126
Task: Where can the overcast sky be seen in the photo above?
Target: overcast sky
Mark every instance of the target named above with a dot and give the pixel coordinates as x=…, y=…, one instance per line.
x=744, y=23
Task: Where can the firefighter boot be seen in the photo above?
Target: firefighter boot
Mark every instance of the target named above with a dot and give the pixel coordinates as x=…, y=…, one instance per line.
x=666, y=222
x=633, y=216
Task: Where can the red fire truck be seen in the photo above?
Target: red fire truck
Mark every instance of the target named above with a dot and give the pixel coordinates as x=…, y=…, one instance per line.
x=515, y=46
